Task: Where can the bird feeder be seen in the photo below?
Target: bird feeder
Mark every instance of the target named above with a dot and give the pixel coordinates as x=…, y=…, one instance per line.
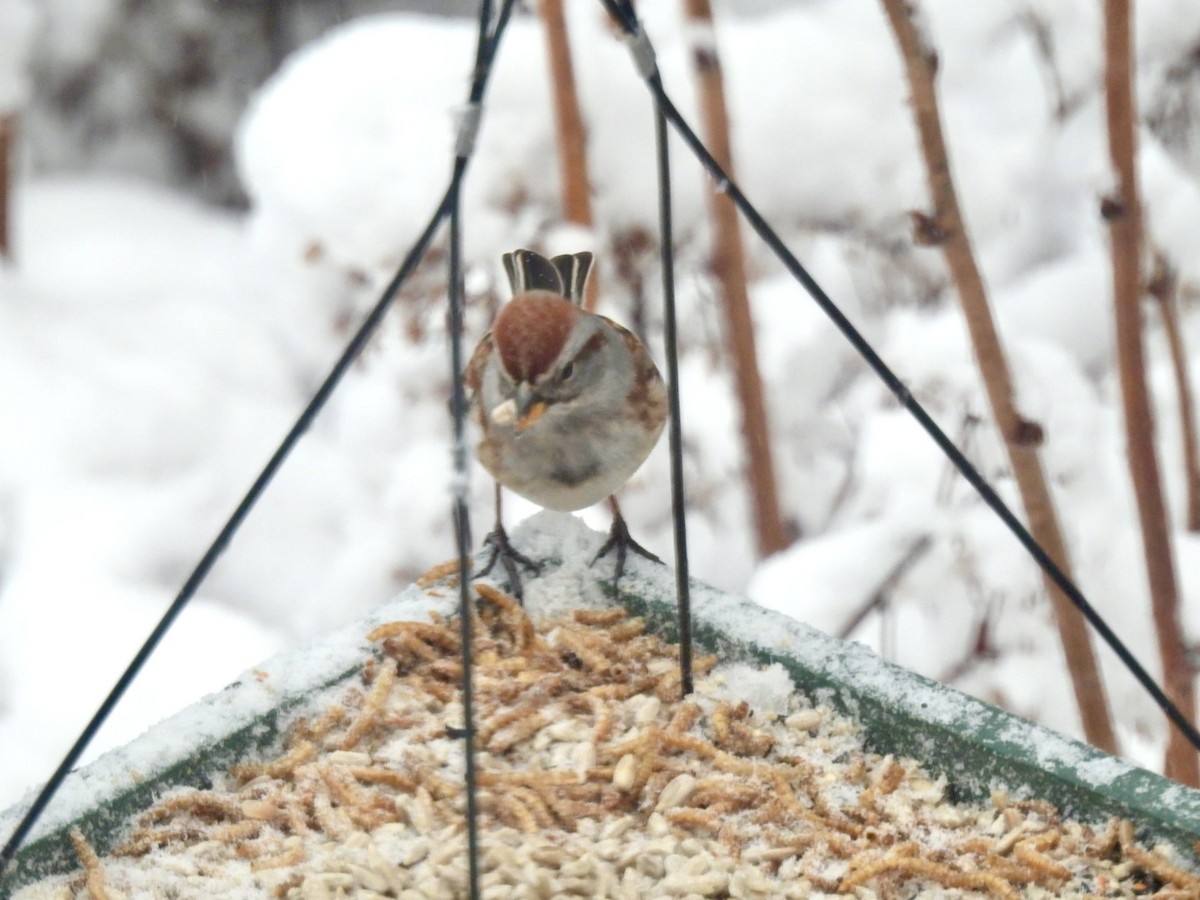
x=800, y=765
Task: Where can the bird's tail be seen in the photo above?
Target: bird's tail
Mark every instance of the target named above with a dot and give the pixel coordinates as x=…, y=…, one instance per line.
x=565, y=275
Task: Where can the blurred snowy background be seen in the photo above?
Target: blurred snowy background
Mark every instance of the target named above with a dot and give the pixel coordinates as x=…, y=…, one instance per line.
x=190, y=249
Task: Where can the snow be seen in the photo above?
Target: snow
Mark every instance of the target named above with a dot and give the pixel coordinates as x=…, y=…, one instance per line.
x=766, y=688
x=18, y=19
x=74, y=28
x=852, y=563
x=154, y=351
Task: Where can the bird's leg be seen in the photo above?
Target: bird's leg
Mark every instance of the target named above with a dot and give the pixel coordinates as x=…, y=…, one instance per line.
x=622, y=542
x=502, y=550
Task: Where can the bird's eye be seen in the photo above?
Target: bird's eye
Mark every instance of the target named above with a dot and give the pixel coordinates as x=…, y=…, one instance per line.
x=567, y=371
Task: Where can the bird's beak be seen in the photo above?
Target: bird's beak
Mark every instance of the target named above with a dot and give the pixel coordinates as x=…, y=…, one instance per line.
x=520, y=411
x=532, y=415
x=529, y=409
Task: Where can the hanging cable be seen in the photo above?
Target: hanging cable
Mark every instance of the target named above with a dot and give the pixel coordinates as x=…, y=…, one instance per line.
x=683, y=598
x=468, y=131
x=642, y=52
x=462, y=534
x=468, y=128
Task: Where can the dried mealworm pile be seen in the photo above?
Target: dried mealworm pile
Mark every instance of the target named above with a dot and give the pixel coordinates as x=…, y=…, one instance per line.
x=596, y=780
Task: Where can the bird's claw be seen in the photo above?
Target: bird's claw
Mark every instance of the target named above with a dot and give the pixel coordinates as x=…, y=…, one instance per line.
x=620, y=540
x=502, y=551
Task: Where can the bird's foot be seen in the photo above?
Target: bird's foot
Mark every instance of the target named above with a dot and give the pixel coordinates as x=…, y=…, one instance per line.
x=502, y=551
x=620, y=541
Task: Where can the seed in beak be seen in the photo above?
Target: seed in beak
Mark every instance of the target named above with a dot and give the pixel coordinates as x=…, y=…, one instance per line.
x=505, y=413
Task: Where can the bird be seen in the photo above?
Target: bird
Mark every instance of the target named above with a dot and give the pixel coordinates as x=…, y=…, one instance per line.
x=569, y=403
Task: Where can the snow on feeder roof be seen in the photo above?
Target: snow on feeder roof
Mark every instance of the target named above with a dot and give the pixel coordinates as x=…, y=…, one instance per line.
x=321, y=773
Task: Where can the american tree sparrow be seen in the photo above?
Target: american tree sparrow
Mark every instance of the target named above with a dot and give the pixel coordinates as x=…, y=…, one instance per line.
x=569, y=403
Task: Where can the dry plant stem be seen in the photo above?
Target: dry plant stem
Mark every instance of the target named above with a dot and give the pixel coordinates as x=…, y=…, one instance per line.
x=8, y=134
x=1021, y=437
x=1124, y=214
x=1164, y=289
x=729, y=267
x=569, y=129
x=1187, y=416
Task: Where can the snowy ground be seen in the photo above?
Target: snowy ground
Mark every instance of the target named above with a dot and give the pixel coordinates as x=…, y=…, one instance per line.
x=152, y=352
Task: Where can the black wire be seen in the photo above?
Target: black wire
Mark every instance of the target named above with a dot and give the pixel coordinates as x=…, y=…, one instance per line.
x=485, y=55
x=626, y=17
x=683, y=599
x=485, y=51
x=462, y=534
x=459, y=509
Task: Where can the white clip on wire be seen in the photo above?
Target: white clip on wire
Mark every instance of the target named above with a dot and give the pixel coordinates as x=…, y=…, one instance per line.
x=643, y=52
x=469, y=118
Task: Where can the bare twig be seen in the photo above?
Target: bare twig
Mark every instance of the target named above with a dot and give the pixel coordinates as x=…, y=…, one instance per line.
x=981, y=651
x=880, y=596
x=8, y=130
x=1062, y=104
x=1164, y=287
x=1123, y=212
x=1021, y=436
x=729, y=267
x=569, y=129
